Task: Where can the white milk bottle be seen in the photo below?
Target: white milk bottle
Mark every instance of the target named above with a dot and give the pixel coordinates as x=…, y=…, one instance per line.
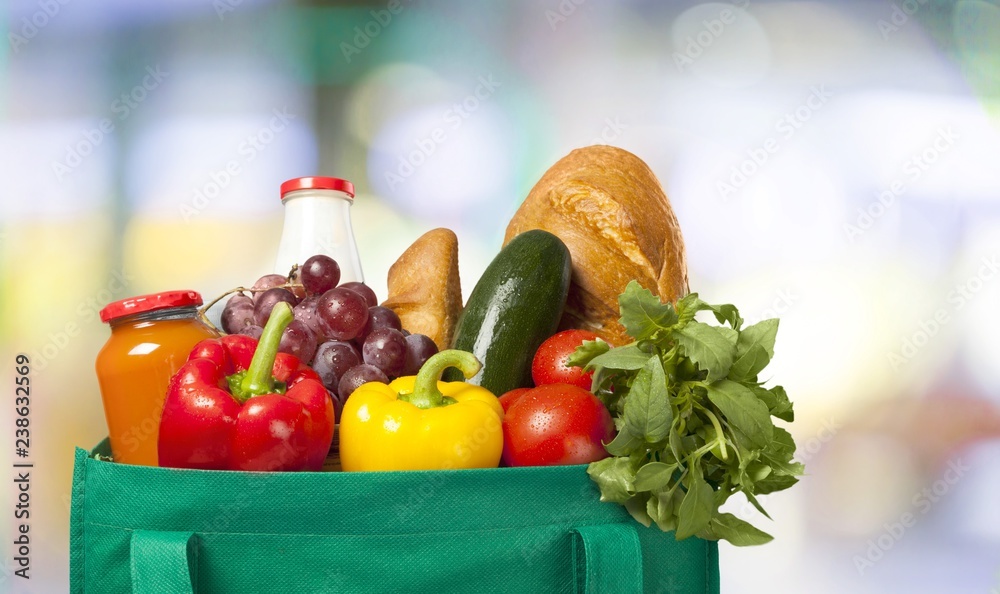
x=318, y=221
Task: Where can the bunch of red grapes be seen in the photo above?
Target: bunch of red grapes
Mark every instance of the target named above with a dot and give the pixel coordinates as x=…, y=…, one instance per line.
x=340, y=331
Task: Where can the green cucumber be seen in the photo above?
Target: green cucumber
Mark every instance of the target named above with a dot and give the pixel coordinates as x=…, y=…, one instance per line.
x=514, y=307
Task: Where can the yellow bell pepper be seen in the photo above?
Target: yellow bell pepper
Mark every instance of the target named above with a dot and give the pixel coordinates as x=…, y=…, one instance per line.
x=421, y=423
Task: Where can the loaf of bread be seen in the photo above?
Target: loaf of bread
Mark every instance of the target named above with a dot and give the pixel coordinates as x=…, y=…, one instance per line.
x=424, y=287
x=611, y=212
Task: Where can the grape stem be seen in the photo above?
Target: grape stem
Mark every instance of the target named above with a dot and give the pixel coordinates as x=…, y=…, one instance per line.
x=203, y=310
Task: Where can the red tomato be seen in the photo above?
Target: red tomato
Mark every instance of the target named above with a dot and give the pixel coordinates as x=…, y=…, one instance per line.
x=556, y=424
x=511, y=397
x=549, y=365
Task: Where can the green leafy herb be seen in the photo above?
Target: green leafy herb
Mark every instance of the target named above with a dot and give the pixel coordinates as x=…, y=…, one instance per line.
x=614, y=477
x=736, y=531
x=642, y=313
x=694, y=423
x=696, y=510
x=586, y=352
x=654, y=475
x=648, y=415
x=743, y=411
x=712, y=348
x=629, y=357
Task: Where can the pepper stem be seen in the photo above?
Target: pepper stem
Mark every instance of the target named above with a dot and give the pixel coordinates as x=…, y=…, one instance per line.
x=425, y=391
x=258, y=379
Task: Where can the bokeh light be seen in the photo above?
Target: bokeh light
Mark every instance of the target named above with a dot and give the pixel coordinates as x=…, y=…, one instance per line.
x=831, y=164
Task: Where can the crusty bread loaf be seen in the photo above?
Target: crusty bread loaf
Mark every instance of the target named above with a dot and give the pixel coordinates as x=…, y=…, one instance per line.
x=424, y=287
x=609, y=209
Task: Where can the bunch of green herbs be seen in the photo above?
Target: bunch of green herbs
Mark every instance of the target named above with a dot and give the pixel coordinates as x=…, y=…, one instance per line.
x=694, y=420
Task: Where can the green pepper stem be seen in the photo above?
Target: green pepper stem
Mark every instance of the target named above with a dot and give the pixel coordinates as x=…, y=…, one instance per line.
x=425, y=391
x=258, y=379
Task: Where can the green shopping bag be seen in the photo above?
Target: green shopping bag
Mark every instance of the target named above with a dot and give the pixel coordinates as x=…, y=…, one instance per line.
x=541, y=529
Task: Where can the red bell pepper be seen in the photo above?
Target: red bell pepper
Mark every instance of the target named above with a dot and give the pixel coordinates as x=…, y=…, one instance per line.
x=239, y=404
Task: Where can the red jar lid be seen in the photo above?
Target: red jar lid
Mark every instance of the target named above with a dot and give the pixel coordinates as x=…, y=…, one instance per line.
x=151, y=302
x=317, y=183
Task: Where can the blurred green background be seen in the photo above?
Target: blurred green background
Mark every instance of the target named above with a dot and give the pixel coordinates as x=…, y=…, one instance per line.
x=831, y=163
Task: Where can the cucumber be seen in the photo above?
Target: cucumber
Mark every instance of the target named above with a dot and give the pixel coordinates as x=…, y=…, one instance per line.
x=514, y=307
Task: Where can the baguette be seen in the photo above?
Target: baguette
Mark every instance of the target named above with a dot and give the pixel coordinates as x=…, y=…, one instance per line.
x=611, y=212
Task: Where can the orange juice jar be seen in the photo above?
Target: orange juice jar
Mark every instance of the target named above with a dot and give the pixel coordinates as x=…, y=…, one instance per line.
x=151, y=337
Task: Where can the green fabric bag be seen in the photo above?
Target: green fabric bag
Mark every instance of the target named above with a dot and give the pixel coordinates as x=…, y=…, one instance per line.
x=542, y=529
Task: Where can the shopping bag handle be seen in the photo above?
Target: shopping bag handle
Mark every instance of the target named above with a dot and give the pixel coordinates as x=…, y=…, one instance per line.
x=164, y=562
x=607, y=559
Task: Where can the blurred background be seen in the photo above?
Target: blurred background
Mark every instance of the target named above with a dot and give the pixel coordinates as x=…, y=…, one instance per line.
x=831, y=163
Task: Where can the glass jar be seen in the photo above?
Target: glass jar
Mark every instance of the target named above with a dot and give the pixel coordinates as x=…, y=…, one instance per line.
x=151, y=337
x=318, y=221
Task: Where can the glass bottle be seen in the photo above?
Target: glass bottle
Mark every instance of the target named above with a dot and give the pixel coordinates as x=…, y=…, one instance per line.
x=318, y=221
x=151, y=337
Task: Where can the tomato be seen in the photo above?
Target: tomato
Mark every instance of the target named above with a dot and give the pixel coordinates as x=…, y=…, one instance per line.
x=549, y=365
x=511, y=397
x=556, y=424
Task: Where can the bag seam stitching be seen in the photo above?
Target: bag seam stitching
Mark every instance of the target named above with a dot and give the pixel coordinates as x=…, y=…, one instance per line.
x=83, y=510
x=126, y=528
x=707, y=586
x=83, y=532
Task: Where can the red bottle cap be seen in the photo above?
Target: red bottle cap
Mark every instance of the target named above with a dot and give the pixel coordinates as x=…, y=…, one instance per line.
x=151, y=302
x=317, y=183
